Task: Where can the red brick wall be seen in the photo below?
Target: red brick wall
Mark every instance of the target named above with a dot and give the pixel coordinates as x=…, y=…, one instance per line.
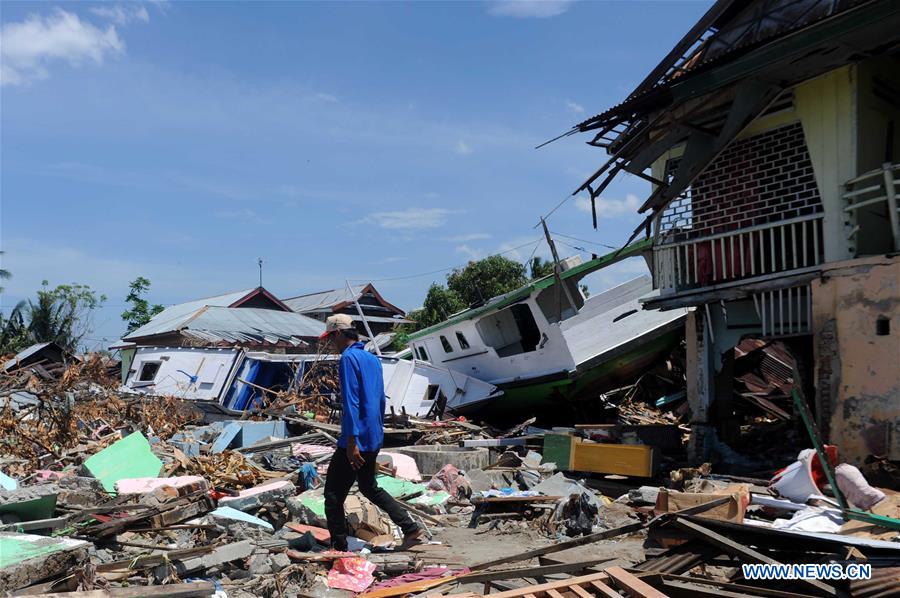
x=761, y=179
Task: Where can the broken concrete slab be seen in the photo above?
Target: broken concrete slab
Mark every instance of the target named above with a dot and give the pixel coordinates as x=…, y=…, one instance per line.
x=308, y=507
x=28, y=503
x=130, y=457
x=148, y=485
x=26, y=559
x=431, y=458
x=80, y=491
x=258, y=496
x=405, y=466
x=398, y=487
x=221, y=555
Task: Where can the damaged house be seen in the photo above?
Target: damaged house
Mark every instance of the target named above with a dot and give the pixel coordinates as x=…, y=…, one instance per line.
x=380, y=315
x=237, y=349
x=770, y=134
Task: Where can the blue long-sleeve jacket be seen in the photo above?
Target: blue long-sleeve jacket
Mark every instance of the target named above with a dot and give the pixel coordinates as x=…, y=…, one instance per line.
x=362, y=393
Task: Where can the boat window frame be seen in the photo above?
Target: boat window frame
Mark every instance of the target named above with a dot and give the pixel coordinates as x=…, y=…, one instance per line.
x=462, y=340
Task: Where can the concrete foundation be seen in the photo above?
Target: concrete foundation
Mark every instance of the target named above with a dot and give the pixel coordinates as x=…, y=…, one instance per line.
x=432, y=458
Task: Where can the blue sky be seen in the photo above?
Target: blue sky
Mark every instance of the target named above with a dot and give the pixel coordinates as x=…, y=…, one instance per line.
x=364, y=140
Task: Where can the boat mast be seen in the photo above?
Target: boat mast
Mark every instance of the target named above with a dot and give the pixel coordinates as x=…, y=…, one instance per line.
x=557, y=270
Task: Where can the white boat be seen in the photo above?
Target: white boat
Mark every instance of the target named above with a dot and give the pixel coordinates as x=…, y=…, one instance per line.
x=546, y=342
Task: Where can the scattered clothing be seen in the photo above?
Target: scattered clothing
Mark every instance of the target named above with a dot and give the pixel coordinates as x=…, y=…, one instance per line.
x=351, y=573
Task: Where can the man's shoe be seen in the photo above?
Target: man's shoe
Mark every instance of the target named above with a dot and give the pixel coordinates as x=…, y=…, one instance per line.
x=413, y=537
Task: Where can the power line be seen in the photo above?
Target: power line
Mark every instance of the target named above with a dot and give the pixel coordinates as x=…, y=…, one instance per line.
x=445, y=269
x=584, y=240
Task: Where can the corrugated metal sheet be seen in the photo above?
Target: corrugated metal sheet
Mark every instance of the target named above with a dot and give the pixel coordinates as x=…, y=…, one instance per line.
x=252, y=325
x=324, y=299
x=25, y=354
x=173, y=316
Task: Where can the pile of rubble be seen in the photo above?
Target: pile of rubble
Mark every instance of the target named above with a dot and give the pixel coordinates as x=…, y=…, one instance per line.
x=132, y=495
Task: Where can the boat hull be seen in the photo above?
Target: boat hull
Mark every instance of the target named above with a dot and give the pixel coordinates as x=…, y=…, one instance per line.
x=558, y=398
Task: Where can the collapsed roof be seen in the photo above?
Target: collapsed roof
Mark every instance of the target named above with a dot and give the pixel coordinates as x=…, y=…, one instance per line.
x=732, y=65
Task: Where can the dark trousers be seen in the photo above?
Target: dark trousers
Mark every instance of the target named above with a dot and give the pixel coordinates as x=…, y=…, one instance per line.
x=339, y=480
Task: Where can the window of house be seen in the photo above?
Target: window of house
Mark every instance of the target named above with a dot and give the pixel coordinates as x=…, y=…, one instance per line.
x=448, y=348
x=421, y=353
x=461, y=339
x=149, y=370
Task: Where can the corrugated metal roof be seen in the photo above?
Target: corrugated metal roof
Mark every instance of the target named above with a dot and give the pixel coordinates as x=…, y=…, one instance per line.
x=25, y=354
x=170, y=318
x=252, y=325
x=323, y=299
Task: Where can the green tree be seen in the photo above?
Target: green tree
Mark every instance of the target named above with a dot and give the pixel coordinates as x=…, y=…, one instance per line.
x=63, y=315
x=14, y=334
x=4, y=274
x=141, y=311
x=540, y=267
x=486, y=278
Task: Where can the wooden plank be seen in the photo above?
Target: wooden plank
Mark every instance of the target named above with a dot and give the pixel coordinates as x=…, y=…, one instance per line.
x=582, y=593
x=747, y=554
x=554, y=594
x=575, y=542
x=181, y=590
x=605, y=590
x=554, y=585
x=632, y=585
x=529, y=572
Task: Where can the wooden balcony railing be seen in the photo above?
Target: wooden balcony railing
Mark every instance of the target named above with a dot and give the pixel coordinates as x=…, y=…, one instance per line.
x=872, y=188
x=744, y=254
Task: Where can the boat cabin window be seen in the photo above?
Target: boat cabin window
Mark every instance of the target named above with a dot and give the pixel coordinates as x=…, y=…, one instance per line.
x=420, y=351
x=149, y=370
x=448, y=348
x=461, y=339
x=510, y=331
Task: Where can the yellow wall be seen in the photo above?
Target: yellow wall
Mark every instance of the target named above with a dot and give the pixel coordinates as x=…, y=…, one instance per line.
x=827, y=109
x=858, y=371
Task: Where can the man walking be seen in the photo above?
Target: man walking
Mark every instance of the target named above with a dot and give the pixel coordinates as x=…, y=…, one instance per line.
x=362, y=433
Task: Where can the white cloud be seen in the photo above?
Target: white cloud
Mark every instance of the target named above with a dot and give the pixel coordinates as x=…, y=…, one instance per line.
x=529, y=9
x=30, y=46
x=122, y=14
x=574, y=108
x=610, y=208
x=467, y=237
x=470, y=252
x=411, y=218
x=462, y=148
x=327, y=98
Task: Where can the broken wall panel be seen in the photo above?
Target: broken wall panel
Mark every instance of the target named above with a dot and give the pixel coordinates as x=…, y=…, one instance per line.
x=856, y=311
